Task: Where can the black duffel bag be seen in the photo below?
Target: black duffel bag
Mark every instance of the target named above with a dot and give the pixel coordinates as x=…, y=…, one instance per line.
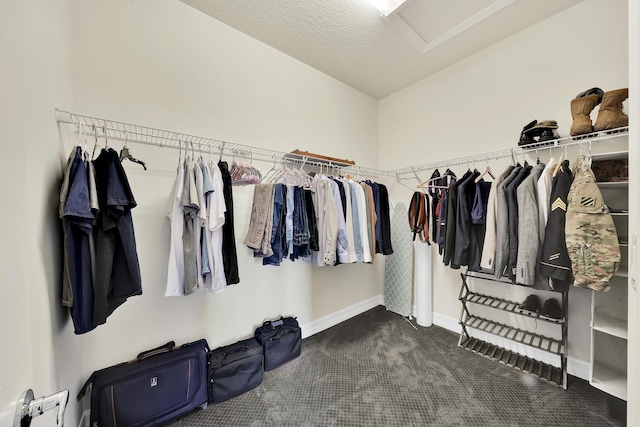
x=234, y=369
x=281, y=341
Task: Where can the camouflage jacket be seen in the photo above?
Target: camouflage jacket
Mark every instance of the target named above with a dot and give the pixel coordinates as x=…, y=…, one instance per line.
x=592, y=241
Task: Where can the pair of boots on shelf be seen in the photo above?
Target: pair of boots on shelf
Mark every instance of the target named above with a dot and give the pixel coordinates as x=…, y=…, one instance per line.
x=610, y=115
x=550, y=309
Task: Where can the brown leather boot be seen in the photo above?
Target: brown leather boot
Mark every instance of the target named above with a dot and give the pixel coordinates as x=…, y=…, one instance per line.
x=610, y=115
x=580, y=110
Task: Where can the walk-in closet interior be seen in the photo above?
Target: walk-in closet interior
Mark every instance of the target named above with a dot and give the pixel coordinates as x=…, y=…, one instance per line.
x=375, y=100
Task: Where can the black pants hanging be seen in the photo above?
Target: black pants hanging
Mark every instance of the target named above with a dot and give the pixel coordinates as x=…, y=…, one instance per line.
x=229, y=254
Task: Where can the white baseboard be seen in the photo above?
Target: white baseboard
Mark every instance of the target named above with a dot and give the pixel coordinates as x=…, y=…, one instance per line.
x=446, y=322
x=576, y=367
x=340, y=316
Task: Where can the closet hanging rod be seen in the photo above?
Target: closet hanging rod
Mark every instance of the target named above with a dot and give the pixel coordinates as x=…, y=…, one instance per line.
x=512, y=152
x=129, y=132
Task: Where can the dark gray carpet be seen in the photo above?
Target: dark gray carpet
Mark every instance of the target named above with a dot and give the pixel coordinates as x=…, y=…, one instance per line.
x=377, y=370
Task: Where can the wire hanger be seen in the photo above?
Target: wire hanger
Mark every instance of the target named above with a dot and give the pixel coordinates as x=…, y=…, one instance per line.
x=82, y=135
x=106, y=142
x=95, y=141
x=125, y=154
x=221, y=151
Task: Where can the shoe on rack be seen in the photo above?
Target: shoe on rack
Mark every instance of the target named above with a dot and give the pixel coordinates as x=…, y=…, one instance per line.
x=525, y=138
x=581, y=108
x=544, y=131
x=548, y=135
x=530, y=304
x=551, y=309
x=610, y=115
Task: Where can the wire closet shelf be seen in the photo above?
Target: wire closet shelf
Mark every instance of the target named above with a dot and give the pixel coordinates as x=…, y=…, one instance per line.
x=561, y=143
x=128, y=132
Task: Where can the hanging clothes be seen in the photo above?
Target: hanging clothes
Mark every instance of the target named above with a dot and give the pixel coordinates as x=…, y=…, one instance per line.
x=528, y=224
x=451, y=224
x=478, y=223
x=555, y=262
x=592, y=240
x=259, y=234
x=490, y=240
x=442, y=213
x=309, y=223
x=544, y=194
x=512, y=204
x=189, y=245
x=436, y=195
x=216, y=216
x=300, y=243
x=79, y=256
x=229, y=253
x=502, y=225
x=175, y=268
x=327, y=219
x=277, y=232
x=117, y=274
x=418, y=218
x=385, y=220
x=466, y=193
x=371, y=219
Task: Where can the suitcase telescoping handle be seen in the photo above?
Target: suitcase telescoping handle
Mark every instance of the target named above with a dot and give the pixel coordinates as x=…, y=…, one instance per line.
x=158, y=350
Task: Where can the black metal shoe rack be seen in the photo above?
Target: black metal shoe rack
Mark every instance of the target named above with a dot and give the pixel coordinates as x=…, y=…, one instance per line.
x=544, y=371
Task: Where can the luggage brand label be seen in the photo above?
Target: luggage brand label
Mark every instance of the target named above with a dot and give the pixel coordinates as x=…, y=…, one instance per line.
x=154, y=381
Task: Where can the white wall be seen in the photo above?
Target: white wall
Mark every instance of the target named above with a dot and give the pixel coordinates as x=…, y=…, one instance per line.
x=35, y=74
x=481, y=103
x=164, y=64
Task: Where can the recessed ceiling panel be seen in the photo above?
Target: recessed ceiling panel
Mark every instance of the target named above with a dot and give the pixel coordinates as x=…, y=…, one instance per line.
x=432, y=18
x=349, y=40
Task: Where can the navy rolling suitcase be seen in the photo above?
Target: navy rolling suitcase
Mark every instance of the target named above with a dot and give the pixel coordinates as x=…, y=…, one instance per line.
x=234, y=369
x=158, y=386
x=281, y=341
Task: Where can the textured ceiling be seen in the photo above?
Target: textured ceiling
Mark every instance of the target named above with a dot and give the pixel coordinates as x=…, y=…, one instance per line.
x=348, y=39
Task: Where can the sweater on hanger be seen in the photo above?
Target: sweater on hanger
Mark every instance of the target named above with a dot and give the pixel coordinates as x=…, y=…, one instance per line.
x=489, y=246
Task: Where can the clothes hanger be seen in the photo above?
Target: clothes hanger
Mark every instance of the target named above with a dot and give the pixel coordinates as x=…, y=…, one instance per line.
x=487, y=170
x=125, y=154
x=106, y=141
x=273, y=169
x=95, y=141
x=82, y=135
x=221, y=151
x=399, y=181
x=179, y=152
x=436, y=179
x=559, y=165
